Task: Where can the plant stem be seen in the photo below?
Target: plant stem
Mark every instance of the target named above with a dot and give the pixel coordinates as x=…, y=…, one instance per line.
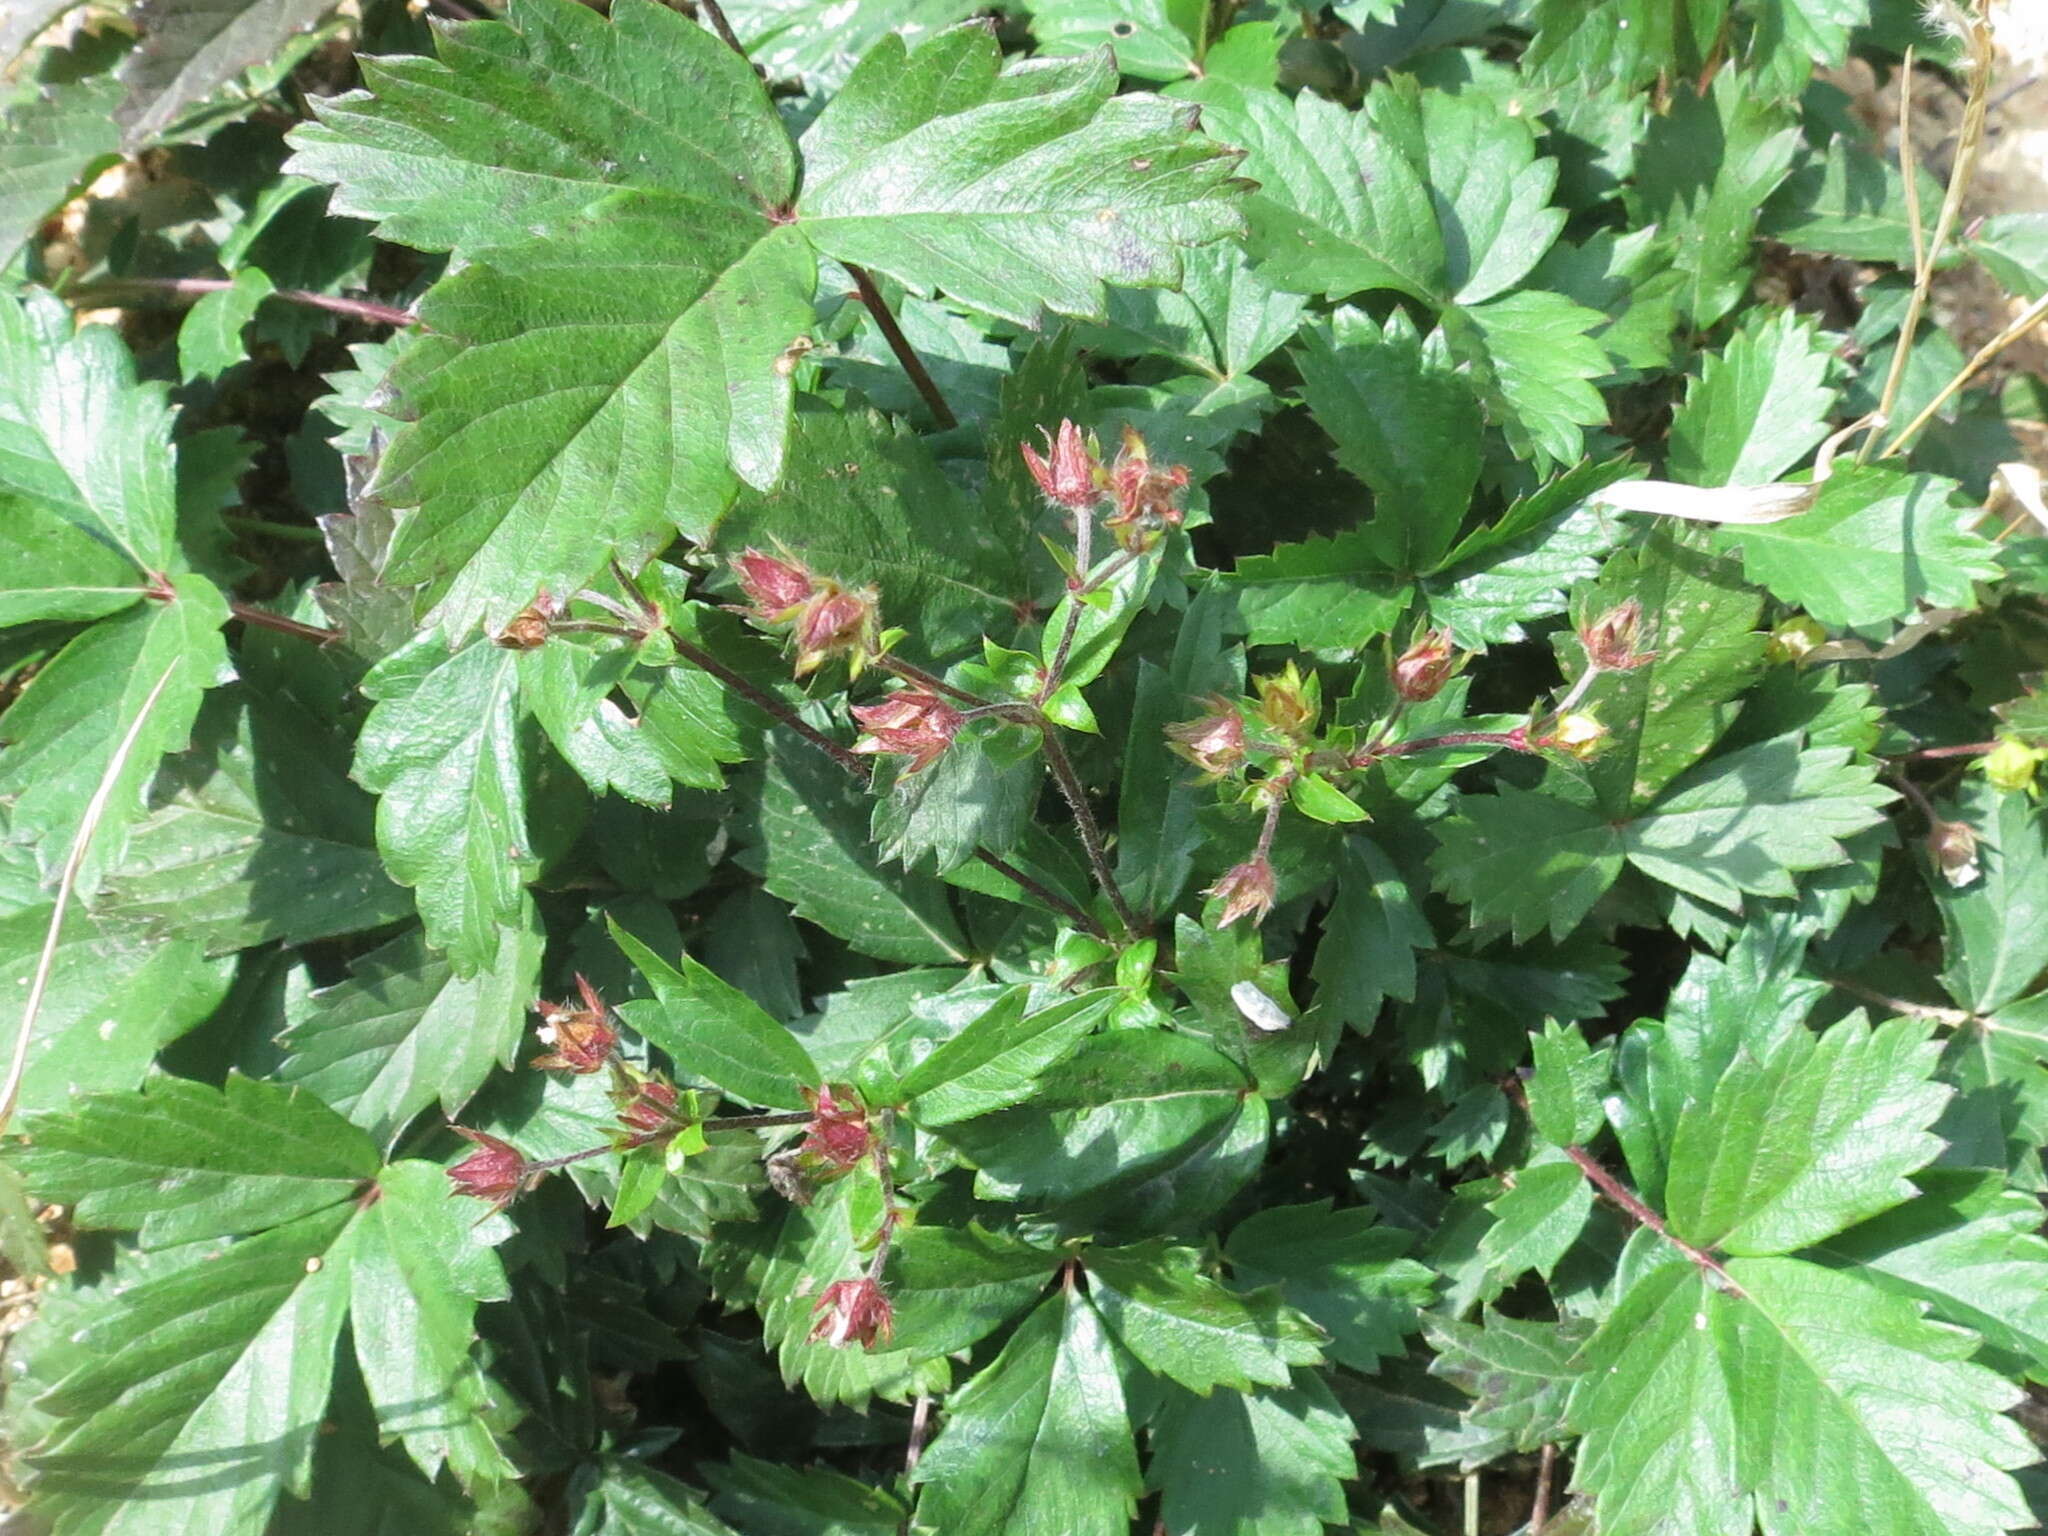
x=1967, y=749
x=721, y=26
x=757, y=1122
x=549, y=1164
x=297, y=533
x=769, y=705
x=1084, y=823
x=366, y=310
x=920, y=1431
x=1960, y=175
x=1539, y=1515
x=262, y=618
x=1084, y=543
x=1952, y=1018
x=2032, y=316
x=1032, y=888
x=918, y=676
x=906, y=354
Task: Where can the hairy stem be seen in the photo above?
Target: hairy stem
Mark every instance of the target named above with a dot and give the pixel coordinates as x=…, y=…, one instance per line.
x=1966, y=749
x=1032, y=888
x=549, y=1164
x=1069, y=782
x=757, y=1122
x=715, y=14
x=1084, y=541
x=1952, y=1018
x=906, y=354
x=769, y=705
x=112, y=288
x=916, y=675
x=262, y=618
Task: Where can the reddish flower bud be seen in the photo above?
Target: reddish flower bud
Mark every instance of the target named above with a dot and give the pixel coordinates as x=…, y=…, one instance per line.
x=912, y=723
x=775, y=587
x=1214, y=742
x=647, y=1110
x=495, y=1172
x=838, y=1133
x=1421, y=671
x=1246, y=890
x=1610, y=640
x=834, y=622
x=853, y=1312
x=582, y=1037
x=528, y=629
x=1144, y=494
x=1067, y=472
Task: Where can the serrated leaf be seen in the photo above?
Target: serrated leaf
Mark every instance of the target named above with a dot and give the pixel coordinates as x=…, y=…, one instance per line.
x=1435, y=195
x=1526, y=858
x=810, y=847
x=1535, y=361
x=181, y=1161
x=81, y=437
x=1807, y=1401
x=120, y=695
x=630, y=1498
x=1370, y=938
x=1343, y=1271
x=1851, y=202
x=568, y=688
x=1500, y=578
x=979, y=794
x=819, y=43
x=190, y=48
x=24, y=21
x=953, y=1287
x=1333, y=596
x=1271, y=1463
x=445, y=749
x=114, y=996
x=404, y=1031
x=239, y=1351
x=716, y=1032
x=1996, y=927
x=210, y=340
x=50, y=568
x=1153, y=39
x=1040, y=1440
x=1520, y=1372
x=1814, y=1137
x=52, y=143
x=1185, y=1326
x=1758, y=406
x=1009, y=191
x=253, y=834
x=1224, y=319
x=865, y=501
x=996, y=1060
x=1537, y=1218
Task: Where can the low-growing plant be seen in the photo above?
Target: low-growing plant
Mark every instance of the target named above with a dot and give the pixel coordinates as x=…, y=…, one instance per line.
x=1278, y=766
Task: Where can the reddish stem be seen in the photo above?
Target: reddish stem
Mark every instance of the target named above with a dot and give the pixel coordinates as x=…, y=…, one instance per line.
x=262, y=618
x=906, y=354
x=1967, y=749
x=366, y=310
x=917, y=675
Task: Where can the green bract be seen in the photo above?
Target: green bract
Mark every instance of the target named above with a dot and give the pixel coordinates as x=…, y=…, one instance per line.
x=1195, y=767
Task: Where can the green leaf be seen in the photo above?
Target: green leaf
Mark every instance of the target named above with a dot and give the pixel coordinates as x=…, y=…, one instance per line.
x=114, y=997
x=1812, y=1138
x=1996, y=927
x=445, y=748
x=1344, y=1272
x=1758, y=406
x=1541, y=1214
x=631, y=1498
x=1851, y=202
x=1698, y=628
x=1564, y=1094
x=716, y=1032
x=51, y=568
x=568, y=688
x=809, y=844
x=1126, y=1109
x=1153, y=39
x=181, y=1161
x=238, y=1351
x=1333, y=596
x=119, y=696
x=1320, y=800
x=1224, y=319
x=979, y=794
x=1040, y=1440
x=190, y=48
x=1009, y=191
x=997, y=1059
x=516, y=490
x=1370, y=938
x=1705, y=168
x=1403, y=422
x=1183, y=1325
x=1271, y=1463
x=254, y=834
x=417, y=1270
x=1527, y=859
x=210, y=340
x=954, y=1286
x=1520, y=1372
x=865, y=502
x=818, y=43
x=49, y=144
x=405, y=1031
x=1534, y=362
x=1519, y=568
x=24, y=22
x=1434, y=195
x=1745, y=823
x=1810, y=1397
x=80, y=437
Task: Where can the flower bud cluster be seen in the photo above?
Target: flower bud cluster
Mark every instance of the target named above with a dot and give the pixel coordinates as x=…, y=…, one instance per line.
x=1145, y=497
x=825, y=618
